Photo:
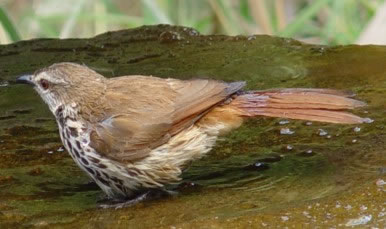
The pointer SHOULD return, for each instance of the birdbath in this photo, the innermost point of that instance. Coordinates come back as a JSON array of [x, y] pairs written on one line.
[[270, 172]]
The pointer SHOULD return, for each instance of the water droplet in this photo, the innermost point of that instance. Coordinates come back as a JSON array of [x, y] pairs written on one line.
[[258, 166], [3, 83], [357, 129], [363, 208], [308, 153], [193, 32], [322, 132], [286, 131], [252, 37], [367, 120], [283, 122], [380, 182], [284, 218]]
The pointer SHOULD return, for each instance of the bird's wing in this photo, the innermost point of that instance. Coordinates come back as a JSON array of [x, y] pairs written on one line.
[[142, 113]]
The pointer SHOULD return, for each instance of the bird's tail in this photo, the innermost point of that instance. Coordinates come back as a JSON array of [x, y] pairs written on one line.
[[323, 105]]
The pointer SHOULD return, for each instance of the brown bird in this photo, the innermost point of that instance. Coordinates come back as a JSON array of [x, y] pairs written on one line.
[[135, 133]]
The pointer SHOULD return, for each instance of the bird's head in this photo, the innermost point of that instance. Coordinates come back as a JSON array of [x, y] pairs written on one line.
[[65, 84]]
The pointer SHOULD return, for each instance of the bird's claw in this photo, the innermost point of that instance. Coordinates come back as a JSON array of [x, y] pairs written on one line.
[[152, 194], [127, 203]]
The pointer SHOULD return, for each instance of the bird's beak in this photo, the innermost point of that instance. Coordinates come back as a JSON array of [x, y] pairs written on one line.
[[25, 79]]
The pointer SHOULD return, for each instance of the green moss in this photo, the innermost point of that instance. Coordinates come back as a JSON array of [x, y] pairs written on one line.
[[38, 188]]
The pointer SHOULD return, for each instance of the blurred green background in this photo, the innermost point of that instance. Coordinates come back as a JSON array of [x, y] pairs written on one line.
[[313, 21]]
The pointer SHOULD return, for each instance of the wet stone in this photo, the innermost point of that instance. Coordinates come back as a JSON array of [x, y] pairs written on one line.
[[228, 191]]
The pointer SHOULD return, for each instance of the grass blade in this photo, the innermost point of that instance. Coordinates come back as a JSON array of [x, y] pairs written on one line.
[[154, 11], [71, 21], [303, 16], [8, 26]]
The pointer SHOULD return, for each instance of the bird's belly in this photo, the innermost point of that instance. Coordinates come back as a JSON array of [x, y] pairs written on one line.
[[163, 165]]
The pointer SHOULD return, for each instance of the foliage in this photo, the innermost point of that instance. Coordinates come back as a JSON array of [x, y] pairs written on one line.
[[318, 21]]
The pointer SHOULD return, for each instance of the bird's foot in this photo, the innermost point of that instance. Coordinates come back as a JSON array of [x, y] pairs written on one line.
[[152, 194], [116, 204]]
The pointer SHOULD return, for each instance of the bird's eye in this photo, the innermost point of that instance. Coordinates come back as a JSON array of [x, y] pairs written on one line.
[[44, 83]]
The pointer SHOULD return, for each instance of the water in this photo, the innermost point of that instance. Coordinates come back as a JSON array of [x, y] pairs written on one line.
[[322, 174]]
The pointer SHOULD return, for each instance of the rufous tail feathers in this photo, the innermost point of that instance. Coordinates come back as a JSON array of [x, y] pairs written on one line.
[[323, 105]]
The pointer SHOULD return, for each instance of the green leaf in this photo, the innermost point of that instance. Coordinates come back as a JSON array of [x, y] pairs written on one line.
[[304, 16], [9, 26], [154, 14]]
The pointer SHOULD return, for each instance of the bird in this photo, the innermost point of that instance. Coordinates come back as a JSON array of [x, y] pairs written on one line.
[[136, 133]]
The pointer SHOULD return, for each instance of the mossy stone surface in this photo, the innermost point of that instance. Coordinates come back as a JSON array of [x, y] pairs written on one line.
[[255, 177]]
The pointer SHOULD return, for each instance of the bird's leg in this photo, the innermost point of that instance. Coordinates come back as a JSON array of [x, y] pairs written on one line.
[[116, 204], [148, 195], [161, 193]]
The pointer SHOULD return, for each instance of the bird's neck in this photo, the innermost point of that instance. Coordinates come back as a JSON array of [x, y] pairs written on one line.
[[66, 112], [87, 104]]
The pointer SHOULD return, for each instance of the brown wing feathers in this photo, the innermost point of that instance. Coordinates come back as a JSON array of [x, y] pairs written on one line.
[[197, 97], [144, 112]]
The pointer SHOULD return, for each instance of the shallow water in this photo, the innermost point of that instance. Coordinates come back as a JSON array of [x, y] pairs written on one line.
[[312, 175]]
